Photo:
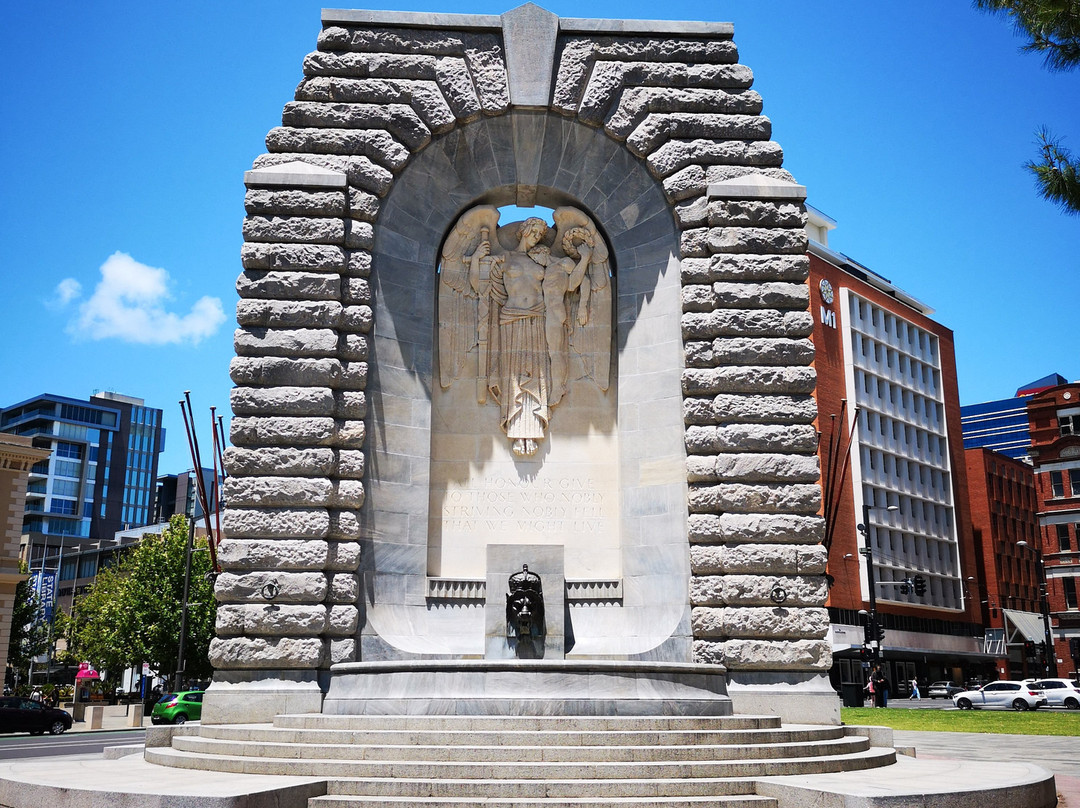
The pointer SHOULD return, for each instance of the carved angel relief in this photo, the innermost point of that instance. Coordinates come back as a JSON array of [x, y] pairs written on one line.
[[514, 310]]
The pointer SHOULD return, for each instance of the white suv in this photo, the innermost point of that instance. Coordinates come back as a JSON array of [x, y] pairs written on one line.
[[1059, 692], [1017, 695]]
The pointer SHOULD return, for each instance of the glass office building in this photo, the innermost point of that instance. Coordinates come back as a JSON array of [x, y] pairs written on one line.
[[101, 476]]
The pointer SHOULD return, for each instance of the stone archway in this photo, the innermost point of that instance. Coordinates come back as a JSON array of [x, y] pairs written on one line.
[[400, 122]]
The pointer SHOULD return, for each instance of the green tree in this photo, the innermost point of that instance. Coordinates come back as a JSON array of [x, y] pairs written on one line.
[[132, 612], [29, 631], [1052, 28]]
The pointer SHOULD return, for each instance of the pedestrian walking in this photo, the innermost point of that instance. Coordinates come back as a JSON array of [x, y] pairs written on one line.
[[914, 690]]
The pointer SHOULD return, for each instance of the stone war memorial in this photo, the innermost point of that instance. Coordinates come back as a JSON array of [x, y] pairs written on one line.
[[523, 503]]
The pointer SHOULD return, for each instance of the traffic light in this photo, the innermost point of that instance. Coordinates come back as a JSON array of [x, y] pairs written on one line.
[[918, 583], [1040, 650], [905, 586], [867, 633], [1029, 650], [880, 632], [1074, 647]]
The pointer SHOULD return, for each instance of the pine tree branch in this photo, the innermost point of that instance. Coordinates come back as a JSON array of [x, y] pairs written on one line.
[[1057, 174]]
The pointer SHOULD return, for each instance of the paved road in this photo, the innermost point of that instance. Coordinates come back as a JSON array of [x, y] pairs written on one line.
[[72, 743]]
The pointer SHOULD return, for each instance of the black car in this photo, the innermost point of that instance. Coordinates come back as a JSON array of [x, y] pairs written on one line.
[[27, 715]]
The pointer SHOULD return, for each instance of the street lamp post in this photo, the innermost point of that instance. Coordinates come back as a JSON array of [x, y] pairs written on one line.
[[1049, 656], [868, 553]]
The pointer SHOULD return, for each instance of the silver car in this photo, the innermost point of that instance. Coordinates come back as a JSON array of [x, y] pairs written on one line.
[[1004, 694], [1059, 692], [943, 690]]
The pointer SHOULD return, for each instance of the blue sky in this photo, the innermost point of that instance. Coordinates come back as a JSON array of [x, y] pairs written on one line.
[[128, 127]]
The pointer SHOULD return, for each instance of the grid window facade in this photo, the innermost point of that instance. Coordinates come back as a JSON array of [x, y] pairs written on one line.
[[902, 453]]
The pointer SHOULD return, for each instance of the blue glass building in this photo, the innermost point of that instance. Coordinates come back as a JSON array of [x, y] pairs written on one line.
[[1003, 425], [100, 479]]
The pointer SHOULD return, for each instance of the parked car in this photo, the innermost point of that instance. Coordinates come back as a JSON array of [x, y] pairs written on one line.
[[943, 690], [29, 715], [178, 708], [1059, 692], [1004, 693]]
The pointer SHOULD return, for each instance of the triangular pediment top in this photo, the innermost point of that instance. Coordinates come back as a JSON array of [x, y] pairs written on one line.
[[756, 186], [296, 174]]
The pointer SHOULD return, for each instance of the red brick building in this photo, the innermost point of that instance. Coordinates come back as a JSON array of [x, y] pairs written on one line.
[[1004, 511], [1054, 419], [889, 420]]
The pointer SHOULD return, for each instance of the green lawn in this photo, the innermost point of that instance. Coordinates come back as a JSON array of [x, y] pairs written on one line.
[[1041, 722]]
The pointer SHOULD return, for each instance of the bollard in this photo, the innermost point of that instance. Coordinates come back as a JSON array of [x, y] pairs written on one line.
[[93, 716], [135, 715]]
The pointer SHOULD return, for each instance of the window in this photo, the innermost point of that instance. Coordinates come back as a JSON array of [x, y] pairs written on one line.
[[1063, 537], [72, 450], [1074, 481], [87, 566], [1069, 585], [1069, 424], [64, 506], [1057, 484]]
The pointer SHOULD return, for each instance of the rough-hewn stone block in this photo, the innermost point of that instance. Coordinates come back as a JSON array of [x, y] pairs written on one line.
[[265, 202], [289, 285], [294, 342], [250, 619], [289, 313], [284, 523], [762, 498], [240, 653], [274, 586], [294, 229], [285, 372], [276, 401], [284, 461], [728, 408], [754, 468], [715, 528], [752, 437], [277, 492], [273, 554], [747, 322]]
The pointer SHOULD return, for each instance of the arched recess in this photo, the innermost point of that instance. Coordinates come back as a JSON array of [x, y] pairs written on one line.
[[526, 157]]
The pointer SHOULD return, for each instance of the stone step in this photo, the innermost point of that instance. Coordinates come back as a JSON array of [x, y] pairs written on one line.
[[789, 733], [506, 753], [747, 801], [322, 767], [539, 789], [524, 723]]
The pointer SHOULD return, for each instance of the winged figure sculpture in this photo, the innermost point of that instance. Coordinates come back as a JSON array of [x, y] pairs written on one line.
[[517, 303]]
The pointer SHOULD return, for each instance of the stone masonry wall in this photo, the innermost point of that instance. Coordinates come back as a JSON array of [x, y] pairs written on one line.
[[379, 88]]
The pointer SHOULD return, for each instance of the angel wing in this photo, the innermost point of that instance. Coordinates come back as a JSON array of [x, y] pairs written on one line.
[[463, 315], [590, 319]]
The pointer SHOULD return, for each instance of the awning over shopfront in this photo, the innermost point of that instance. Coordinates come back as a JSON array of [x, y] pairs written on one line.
[[1020, 626]]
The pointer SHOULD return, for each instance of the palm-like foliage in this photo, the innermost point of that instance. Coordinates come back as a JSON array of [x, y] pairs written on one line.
[[1052, 28]]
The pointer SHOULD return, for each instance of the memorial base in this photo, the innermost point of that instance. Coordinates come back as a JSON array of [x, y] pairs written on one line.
[[798, 698], [247, 697], [527, 687]]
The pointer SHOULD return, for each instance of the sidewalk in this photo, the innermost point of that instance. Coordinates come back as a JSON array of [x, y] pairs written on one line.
[[114, 717], [1059, 754]]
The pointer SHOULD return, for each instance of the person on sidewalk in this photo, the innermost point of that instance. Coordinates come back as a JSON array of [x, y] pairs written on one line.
[[914, 690], [881, 688], [869, 688]]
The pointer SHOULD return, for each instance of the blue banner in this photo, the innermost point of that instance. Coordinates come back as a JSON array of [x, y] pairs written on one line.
[[45, 589]]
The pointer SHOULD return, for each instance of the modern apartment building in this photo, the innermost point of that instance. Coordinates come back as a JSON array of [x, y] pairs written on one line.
[[1054, 420], [101, 475], [892, 460]]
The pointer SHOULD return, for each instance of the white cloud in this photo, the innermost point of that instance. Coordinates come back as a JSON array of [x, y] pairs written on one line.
[[67, 290], [128, 304]]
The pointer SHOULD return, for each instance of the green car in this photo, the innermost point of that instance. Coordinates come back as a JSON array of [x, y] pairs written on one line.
[[178, 708]]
